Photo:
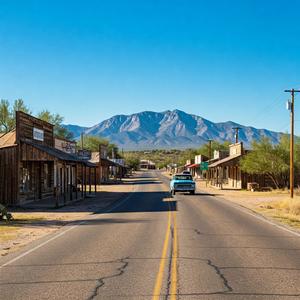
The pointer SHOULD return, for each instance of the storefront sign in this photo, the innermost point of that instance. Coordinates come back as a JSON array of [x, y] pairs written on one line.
[[84, 154], [38, 134], [204, 166]]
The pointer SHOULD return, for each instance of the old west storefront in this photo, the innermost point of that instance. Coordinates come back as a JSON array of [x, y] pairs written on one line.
[[33, 169], [226, 173]]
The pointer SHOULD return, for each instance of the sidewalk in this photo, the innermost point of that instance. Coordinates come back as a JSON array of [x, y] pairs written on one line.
[[33, 222]]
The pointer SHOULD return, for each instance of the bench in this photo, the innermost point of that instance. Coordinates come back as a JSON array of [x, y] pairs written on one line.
[[4, 214]]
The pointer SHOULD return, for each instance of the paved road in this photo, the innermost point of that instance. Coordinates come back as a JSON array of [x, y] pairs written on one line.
[[151, 246]]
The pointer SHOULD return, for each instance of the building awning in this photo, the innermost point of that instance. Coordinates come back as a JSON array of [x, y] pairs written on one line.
[[193, 166], [58, 154], [105, 162], [225, 161]]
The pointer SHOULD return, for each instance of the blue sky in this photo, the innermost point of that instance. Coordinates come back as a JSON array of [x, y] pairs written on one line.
[[89, 60]]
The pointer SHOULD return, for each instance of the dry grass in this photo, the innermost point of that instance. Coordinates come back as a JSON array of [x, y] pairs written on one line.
[[7, 232], [291, 206], [286, 210]]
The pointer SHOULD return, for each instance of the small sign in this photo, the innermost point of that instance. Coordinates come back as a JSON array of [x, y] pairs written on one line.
[[84, 154], [204, 166], [38, 134]]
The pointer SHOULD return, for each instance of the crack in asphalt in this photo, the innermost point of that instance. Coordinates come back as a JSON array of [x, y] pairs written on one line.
[[217, 270], [101, 280], [221, 276]]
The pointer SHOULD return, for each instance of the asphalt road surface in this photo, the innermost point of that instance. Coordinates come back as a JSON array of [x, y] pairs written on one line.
[[152, 246]]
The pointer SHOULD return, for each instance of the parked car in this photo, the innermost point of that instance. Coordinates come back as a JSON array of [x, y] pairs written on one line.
[[182, 183]]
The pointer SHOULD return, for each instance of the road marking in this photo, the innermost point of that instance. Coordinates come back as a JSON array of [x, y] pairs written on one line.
[[174, 260], [160, 275], [64, 232], [39, 246]]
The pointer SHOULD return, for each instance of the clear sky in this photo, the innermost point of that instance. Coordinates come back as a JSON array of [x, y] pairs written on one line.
[[89, 60]]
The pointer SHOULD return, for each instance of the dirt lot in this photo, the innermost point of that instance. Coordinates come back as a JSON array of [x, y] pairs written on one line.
[[29, 225]]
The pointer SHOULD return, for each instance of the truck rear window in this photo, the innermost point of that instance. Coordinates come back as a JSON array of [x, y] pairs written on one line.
[[183, 177]]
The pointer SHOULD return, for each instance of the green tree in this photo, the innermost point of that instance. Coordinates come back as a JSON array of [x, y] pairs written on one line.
[[8, 113], [204, 149], [132, 162], [6, 123], [19, 105], [57, 120], [92, 142], [271, 160]]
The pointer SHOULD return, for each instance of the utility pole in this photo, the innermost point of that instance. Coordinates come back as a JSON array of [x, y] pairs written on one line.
[[81, 140], [291, 108], [210, 148], [236, 133]]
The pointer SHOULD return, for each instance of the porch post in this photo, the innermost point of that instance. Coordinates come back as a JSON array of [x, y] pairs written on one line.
[[82, 181], [90, 184], [95, 177], [65, 183], [76, 187], [71, 183]]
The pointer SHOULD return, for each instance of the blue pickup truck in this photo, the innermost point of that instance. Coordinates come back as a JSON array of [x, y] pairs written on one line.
[[182, 183]]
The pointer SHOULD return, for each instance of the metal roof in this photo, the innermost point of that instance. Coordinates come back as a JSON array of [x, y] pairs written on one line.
[[61, 155], [8, 139], [225, 160]]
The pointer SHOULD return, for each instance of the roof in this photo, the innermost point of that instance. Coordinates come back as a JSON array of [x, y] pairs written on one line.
[[104, 161], [61, 155], [225, 160], [193, 166], [8, 139]]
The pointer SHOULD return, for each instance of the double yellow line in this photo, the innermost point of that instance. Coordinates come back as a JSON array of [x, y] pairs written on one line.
[[164, 259]]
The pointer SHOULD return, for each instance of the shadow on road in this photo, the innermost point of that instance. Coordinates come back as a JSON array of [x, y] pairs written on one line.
[[147, 202]]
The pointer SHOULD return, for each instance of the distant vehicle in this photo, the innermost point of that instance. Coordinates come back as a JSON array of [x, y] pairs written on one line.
[[186, 172], [182, 183]]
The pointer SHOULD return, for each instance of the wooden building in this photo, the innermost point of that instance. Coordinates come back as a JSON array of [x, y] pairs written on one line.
[[32, 169], [226, 173], [147, 165], [106, 168], [195, 167]]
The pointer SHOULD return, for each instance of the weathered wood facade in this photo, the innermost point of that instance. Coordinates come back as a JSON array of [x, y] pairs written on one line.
[[32, 168], [227, 174], [106, 168]]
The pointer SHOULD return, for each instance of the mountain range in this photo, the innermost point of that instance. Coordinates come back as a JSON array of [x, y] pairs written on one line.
[[168, 130]]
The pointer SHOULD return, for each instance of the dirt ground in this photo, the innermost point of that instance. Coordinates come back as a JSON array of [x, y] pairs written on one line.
[[29, 225]]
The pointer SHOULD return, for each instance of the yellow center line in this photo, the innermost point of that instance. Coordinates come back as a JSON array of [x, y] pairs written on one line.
[[160, 275], [173, 278], [174, 260]]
